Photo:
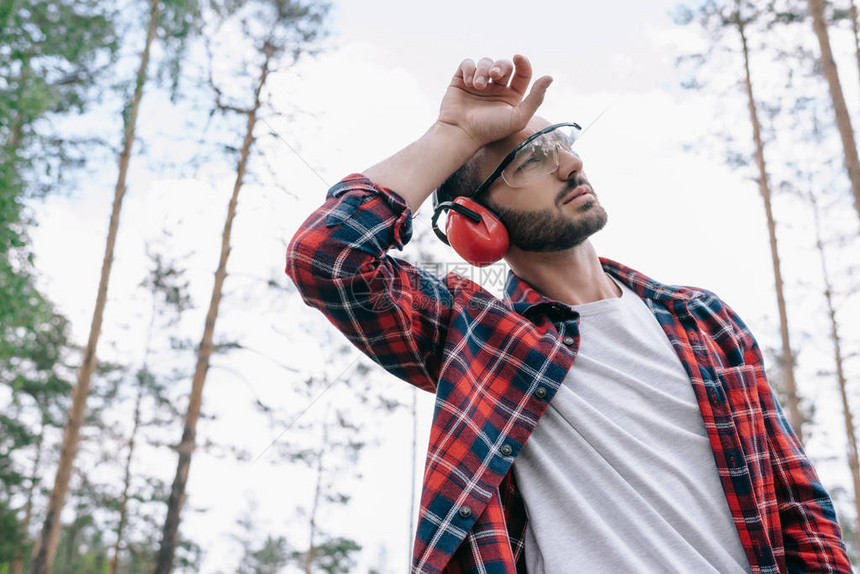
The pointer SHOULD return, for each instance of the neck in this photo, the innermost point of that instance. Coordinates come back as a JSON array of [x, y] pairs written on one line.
[[573, 276]]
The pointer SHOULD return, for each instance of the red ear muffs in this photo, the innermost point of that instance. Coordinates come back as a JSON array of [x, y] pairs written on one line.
[[473, 231]]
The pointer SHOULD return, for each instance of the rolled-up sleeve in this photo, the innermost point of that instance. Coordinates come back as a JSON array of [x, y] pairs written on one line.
[[392, 311]]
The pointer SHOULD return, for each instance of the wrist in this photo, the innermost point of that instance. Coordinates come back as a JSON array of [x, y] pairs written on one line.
[[456, 139], [419, 168]]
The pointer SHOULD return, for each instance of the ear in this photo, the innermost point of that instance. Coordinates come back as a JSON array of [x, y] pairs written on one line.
[[481, 240]]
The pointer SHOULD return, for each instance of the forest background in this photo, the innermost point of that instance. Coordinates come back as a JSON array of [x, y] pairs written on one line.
[[167, 402]]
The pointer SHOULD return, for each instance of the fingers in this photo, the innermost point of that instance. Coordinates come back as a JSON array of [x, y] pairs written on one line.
[[522, 74], [466, 72], [485, 72], [532, 102], [501, 71], [482, 73], [490, 99]]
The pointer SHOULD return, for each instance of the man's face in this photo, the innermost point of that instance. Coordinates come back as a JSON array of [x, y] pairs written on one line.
[[557, 211]]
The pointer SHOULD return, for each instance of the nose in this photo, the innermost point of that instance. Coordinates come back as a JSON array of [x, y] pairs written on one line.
[[569, 164]]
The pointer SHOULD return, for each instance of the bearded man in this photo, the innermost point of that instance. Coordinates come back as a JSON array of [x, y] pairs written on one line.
[[592, 420]]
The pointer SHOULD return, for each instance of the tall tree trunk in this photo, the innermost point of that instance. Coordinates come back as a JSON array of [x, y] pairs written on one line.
[[204, 352], [843, 120], [848, 417], [18, 563], [789, 385], [311, 553], [46, 548], [123, 503], [855, 28], [73, 531]]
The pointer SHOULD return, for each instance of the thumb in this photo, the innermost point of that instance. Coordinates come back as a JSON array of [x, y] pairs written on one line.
[[527, 108]]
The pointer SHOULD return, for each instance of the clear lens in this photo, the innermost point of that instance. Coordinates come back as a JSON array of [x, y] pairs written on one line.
[[539, 157]]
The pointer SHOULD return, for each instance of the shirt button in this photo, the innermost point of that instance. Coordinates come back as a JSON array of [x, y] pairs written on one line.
[[733, 462], [540, 393], [568, 340], [465, 512], [507, 450]]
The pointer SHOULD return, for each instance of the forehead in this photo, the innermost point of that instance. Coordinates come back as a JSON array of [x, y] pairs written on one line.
[[492, 154]]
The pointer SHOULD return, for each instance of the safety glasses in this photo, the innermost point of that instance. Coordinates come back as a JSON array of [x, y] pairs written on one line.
[[536, 156]]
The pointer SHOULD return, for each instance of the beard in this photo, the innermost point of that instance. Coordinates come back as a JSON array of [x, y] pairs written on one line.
[[546, 230]]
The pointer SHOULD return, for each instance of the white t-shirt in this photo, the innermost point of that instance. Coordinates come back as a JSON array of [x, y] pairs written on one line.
[[619, 475]]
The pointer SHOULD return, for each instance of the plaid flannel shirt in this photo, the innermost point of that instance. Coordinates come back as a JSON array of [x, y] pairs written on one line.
[[495, 365]]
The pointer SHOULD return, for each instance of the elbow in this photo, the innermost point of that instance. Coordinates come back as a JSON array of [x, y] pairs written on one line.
[[302, 249], [293, 256], [314, 256], [302, 258]]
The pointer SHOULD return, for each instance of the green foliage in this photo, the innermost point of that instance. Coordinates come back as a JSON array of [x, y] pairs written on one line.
[[168, 286], [82, 547], [31, 367], [50, 54], [180, 21], [49, 58], [189, 555], [270, 558], [9, 533], [279, 32], [334, 556], [138, 410]]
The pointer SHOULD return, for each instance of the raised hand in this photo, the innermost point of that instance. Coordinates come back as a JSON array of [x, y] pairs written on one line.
[[488, 101], [485, 101]]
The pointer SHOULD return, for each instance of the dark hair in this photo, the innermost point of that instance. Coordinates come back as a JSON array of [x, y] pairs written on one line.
[[464, 181]]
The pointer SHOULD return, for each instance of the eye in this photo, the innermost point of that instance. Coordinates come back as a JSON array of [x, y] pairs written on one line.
[[533, 159], [529, 162]]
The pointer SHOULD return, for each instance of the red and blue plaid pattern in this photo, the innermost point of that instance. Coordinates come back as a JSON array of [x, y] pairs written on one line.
[[495, 365]]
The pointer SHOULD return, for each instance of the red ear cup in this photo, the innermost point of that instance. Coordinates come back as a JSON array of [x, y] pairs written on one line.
[[480, 243]]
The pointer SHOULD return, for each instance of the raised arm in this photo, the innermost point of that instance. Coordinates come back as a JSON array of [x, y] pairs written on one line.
[[392, 311], [485, 101]]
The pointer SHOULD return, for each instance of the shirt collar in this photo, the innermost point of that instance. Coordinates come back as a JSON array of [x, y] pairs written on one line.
[[526, 300]]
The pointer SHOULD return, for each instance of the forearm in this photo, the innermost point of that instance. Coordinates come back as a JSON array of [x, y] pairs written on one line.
[[415, 171], [338, 259]]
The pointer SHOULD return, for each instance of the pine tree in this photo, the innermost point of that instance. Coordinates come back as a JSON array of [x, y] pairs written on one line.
[[737, 16], [280, 31], [840, 109], [46, 548], [168, 291], [169, 16], [52, 53]]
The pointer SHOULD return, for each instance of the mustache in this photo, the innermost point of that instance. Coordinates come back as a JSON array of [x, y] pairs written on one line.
[[569, 186]]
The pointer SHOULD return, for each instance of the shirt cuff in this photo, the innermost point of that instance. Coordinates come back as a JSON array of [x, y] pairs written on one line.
[[361, 190]]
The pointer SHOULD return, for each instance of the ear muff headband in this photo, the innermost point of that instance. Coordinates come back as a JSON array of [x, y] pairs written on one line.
[[474, 216], [474, 231]]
